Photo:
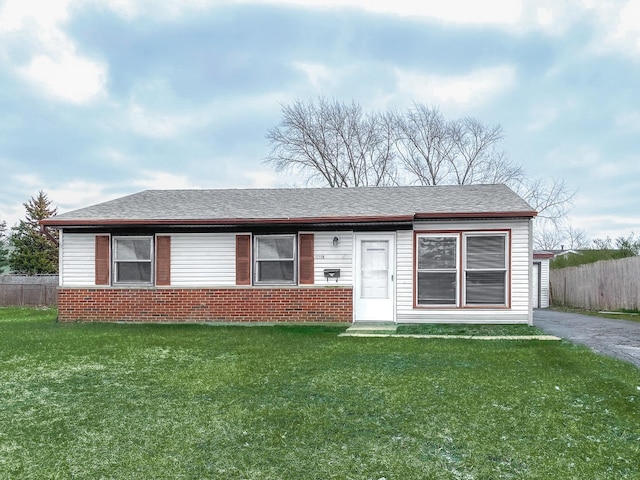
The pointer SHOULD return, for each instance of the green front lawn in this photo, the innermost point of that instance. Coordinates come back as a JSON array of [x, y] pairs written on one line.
[[466, 330], [299, 402]]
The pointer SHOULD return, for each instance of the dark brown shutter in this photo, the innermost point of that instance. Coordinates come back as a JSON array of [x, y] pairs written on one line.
[[306, 259], [243, 259], [163, 260], [102, 259]]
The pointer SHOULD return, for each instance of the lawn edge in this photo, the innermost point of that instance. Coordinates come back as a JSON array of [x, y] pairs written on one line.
[[464, 337]]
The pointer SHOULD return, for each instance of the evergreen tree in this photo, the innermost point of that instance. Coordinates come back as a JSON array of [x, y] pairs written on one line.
[[4, 252], [35, 248]]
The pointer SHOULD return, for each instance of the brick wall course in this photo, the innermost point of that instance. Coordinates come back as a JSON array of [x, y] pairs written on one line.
[[277, 304]]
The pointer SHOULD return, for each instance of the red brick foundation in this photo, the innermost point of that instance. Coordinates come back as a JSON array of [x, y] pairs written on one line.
[[299, 304]]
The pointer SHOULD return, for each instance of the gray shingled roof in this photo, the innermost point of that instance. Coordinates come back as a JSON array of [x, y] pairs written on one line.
[[217, 206]]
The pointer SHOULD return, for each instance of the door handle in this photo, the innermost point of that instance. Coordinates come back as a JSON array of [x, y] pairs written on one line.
[[392, 277]]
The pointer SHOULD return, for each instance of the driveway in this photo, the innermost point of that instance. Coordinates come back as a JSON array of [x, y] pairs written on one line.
[[616, 338]]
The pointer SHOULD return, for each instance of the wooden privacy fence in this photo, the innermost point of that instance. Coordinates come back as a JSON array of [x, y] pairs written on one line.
[[19, 290], [606, 285]]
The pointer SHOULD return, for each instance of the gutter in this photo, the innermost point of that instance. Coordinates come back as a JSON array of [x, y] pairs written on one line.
[[319, 221]]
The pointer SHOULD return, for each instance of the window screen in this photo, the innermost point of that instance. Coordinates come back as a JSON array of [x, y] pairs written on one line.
[[437, 270], [275, 259], [132, 260], [479, 278], [486, 272]]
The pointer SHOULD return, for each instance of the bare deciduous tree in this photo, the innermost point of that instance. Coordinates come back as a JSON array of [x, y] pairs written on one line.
[[423, 141], [473, 148], [334, 142], [576, 238], [340, 146], [436, 151], [568, 238], [552, 199]]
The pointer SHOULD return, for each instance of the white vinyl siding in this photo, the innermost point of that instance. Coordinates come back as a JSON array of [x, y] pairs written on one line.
[[203, 259], [328, 256], [208, 259], [78, 259], [519, 274]]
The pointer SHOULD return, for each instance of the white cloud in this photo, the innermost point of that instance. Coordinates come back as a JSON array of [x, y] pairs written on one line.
[[17, 15], [65, 196], [474, 88], [163, 181], [453, 92], [69, 77], [165, 10], [78, 194], [55, 68], [498, 12], [29, 180], [12, 213], [584, 157], [606, 225], [609, 170], [542, 117], [318, 75], [160, 125], [592, 163], [626, 35], [628, 121], [614, 22], [261, 179]]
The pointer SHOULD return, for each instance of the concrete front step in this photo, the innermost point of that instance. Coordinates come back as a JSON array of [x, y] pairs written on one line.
[[372, 327]]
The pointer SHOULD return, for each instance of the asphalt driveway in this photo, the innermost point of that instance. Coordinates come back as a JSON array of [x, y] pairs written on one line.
[[616, 338]]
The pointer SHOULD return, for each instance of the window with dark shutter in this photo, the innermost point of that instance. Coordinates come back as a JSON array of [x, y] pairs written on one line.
[[306, 259], [274, 259], [243, 259], [163, 260], [102, 260], [133, 260]]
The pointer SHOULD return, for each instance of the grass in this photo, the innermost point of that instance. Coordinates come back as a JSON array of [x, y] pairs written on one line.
[[622, 314], [466, 330], [292, 402]]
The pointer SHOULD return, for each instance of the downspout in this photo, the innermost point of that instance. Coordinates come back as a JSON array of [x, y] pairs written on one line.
[[46, 233]]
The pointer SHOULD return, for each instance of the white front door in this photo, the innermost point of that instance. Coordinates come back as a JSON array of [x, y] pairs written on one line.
[[374, 293]]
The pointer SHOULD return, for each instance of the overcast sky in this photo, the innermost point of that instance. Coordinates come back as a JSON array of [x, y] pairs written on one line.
[[99, 99]]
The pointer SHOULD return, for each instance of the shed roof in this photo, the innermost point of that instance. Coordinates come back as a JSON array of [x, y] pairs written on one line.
[[300, 205]]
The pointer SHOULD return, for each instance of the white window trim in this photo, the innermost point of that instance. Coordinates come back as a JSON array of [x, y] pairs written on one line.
[[115, 261], [456, 236], [256, 260], [461, 270], [504, 269]]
